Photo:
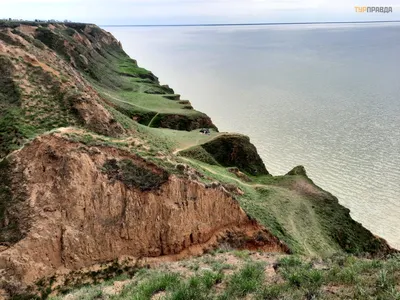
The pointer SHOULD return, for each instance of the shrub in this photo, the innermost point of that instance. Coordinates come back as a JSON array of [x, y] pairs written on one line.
[[39, 44], [133, 175]]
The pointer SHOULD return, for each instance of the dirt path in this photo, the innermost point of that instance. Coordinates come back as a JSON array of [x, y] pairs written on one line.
[[176, 151], [66, 130], [197, 142], [151, 121]]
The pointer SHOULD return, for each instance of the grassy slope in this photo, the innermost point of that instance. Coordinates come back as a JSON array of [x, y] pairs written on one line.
[[24, 115], [136, 92], [312, 224], [27, 111], [249, 275]]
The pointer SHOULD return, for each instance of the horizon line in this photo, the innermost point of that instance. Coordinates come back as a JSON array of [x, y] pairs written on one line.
[[247, 24]]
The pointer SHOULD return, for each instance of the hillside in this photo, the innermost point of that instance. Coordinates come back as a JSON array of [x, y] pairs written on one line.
[[103, 172]]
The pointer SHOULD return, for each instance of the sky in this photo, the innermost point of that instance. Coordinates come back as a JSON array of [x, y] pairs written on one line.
[[146, 12]]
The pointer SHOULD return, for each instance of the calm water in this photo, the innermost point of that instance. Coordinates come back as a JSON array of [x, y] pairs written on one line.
[[324, 96]]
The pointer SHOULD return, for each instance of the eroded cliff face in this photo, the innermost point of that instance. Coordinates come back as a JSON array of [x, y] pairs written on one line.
[[41, 91], [68, 212]]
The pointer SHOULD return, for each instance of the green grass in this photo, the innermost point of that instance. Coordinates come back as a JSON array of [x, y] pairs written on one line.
[[153, 103], [156, 282], [138, 96], [248, 280], [198, 153], [150, 283], [151, 109], [196, 287], [184, 139], [130, 93], [295, 278], [129, 66], [23, 117]]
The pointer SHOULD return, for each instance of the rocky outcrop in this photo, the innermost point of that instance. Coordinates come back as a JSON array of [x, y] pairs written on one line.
[[234, 150], [67, 206], [299, 170], [183, 122]]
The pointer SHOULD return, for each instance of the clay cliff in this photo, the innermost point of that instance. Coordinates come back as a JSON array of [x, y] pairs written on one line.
[[72, 206], [99, 162]]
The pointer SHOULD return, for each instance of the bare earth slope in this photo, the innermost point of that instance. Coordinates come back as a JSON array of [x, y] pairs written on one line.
[[76, 213], [99, 162]]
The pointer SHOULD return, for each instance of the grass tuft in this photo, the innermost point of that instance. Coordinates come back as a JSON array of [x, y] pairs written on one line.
[[246, 281]]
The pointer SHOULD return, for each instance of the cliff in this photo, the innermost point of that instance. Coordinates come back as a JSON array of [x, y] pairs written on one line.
[[100, 162]]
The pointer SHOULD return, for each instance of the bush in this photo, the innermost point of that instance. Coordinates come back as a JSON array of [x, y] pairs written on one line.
[[39, 44], [134, 175]]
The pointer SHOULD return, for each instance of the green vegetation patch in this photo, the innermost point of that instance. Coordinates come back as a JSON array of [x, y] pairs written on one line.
[[52, 40], [350, 235], [12, 128], [258, 276], [129, 67], [157, 282], [10, 94], [45, 107], [96, 63], [5, 188], [348, 276], [26, 37], [155, 111], [134, 175], [312, 224], [248, 280], [10, 217]]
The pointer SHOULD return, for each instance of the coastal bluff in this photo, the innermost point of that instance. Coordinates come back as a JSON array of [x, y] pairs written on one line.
[[102, 167]]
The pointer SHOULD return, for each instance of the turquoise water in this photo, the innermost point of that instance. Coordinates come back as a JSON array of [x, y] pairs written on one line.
[[324, 96]]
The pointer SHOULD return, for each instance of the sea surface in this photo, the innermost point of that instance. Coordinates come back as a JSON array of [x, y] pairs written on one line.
[[323, 96]]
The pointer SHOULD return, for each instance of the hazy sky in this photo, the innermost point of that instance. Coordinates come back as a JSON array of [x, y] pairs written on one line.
[[105, 12]]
